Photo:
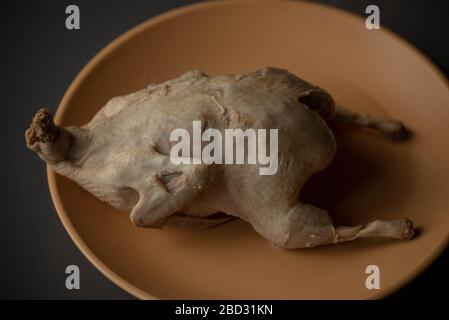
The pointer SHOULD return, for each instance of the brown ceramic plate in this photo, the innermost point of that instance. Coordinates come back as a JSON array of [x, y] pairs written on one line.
[[366, 70]]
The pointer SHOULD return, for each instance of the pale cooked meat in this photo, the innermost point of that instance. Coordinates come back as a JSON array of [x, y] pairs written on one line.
[[122, 155]]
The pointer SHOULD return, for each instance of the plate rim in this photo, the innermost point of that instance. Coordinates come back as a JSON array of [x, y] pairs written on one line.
[[153, 21]]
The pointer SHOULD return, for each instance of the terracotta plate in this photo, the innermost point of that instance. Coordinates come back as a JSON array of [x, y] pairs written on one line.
[[366, 70]]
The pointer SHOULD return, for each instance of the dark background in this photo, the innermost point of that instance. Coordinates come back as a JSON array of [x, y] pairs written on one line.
[[40, 58]]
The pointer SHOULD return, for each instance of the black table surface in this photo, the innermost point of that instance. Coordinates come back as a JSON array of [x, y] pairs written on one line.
[[40, 58]]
